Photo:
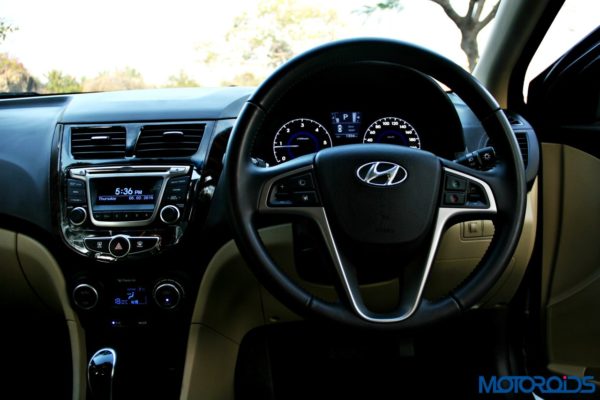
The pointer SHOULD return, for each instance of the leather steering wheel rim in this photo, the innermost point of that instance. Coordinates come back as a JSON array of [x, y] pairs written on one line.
[[245, 182]]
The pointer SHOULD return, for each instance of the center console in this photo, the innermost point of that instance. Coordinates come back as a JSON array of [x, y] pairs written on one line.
[[130, 224]]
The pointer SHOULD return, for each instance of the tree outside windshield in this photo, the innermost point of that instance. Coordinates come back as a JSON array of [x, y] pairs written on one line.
[[65, 46]]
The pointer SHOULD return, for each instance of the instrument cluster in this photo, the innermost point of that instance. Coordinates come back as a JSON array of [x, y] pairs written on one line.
[[362, 103], [301, 136]]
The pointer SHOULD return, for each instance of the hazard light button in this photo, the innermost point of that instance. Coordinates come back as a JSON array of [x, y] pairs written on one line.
[[119, 246]]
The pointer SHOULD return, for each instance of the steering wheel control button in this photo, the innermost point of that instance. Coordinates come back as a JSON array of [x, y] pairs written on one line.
[[296, 190], [167, 294], [454, 199], [455, 184], [472, 229], [85, 296], [169, 214], [481, 159], [119, 246], [97, 244], [302, 182], [476, 195], [305, 199], [141, 244], [464, 192], [77, 216]]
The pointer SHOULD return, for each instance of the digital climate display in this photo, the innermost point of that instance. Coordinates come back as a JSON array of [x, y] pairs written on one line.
[[130, 296], [125, 191]]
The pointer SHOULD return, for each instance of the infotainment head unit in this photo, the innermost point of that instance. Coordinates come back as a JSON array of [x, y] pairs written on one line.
[[128, 196], [112, 212], [131, 193]]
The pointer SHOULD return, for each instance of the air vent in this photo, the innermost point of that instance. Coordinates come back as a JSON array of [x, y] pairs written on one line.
[[98, 142], [180, 140], [523, 146]]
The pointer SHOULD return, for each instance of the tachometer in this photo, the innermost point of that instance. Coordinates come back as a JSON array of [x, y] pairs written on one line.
[[299, 137], [392, 130]]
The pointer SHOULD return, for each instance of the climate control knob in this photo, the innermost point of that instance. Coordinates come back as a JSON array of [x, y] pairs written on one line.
[[85, 296], [167, 294], [169, 214], [77, 215]]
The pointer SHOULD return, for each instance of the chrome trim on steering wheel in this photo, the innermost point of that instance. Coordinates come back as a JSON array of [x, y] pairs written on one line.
[[319, 216]]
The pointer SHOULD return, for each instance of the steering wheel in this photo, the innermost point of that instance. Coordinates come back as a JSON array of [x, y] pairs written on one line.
[[401, 198]]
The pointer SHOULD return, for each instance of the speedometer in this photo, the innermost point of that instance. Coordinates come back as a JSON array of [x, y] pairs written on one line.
[[299, 137], [392, 130]]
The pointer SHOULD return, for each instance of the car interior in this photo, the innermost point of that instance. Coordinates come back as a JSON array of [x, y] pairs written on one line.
[[372, 221]]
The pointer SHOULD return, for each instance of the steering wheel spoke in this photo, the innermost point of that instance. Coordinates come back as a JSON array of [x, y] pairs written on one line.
[[463, 196]]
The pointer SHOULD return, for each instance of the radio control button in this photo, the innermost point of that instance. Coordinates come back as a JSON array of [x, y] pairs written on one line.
[[182, 182], [76, 192], [77, 216], [75, 183], [180, 190], [103, 216], [169, 214], [140, 244], [174, 198], [97, 244], [119, 246]]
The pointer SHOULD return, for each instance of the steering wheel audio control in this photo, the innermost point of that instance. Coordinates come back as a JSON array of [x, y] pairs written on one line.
[[296, 190], [463, 192]]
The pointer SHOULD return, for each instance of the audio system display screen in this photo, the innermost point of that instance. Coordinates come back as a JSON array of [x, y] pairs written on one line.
[[125, 191]]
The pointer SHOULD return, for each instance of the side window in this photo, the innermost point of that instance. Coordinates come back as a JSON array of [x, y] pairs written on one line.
[[576, 19]]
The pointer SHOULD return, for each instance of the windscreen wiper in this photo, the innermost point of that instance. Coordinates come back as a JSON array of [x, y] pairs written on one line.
[[14, 95]]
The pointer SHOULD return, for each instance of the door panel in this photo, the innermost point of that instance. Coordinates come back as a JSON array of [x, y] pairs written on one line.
[[571, 258], [564, 107]]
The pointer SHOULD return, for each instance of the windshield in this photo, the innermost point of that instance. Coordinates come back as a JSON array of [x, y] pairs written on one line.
[[64, 46]]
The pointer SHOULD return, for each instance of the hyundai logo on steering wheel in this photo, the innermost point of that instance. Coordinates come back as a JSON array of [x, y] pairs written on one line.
[[381, 173]]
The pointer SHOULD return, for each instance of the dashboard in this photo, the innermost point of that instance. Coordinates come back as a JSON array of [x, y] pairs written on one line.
[[123, 189]]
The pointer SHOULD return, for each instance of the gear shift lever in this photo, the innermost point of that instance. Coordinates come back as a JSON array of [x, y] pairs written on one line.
[[101, 369]]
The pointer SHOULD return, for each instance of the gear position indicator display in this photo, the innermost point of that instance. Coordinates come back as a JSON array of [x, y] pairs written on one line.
[[346, 124]]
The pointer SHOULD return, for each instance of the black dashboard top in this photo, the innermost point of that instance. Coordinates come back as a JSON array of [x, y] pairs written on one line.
[[156, 105], [31, 128]]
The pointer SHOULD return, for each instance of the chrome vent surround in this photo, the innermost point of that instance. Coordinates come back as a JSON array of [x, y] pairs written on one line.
[[169, 140], [98, 142]]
